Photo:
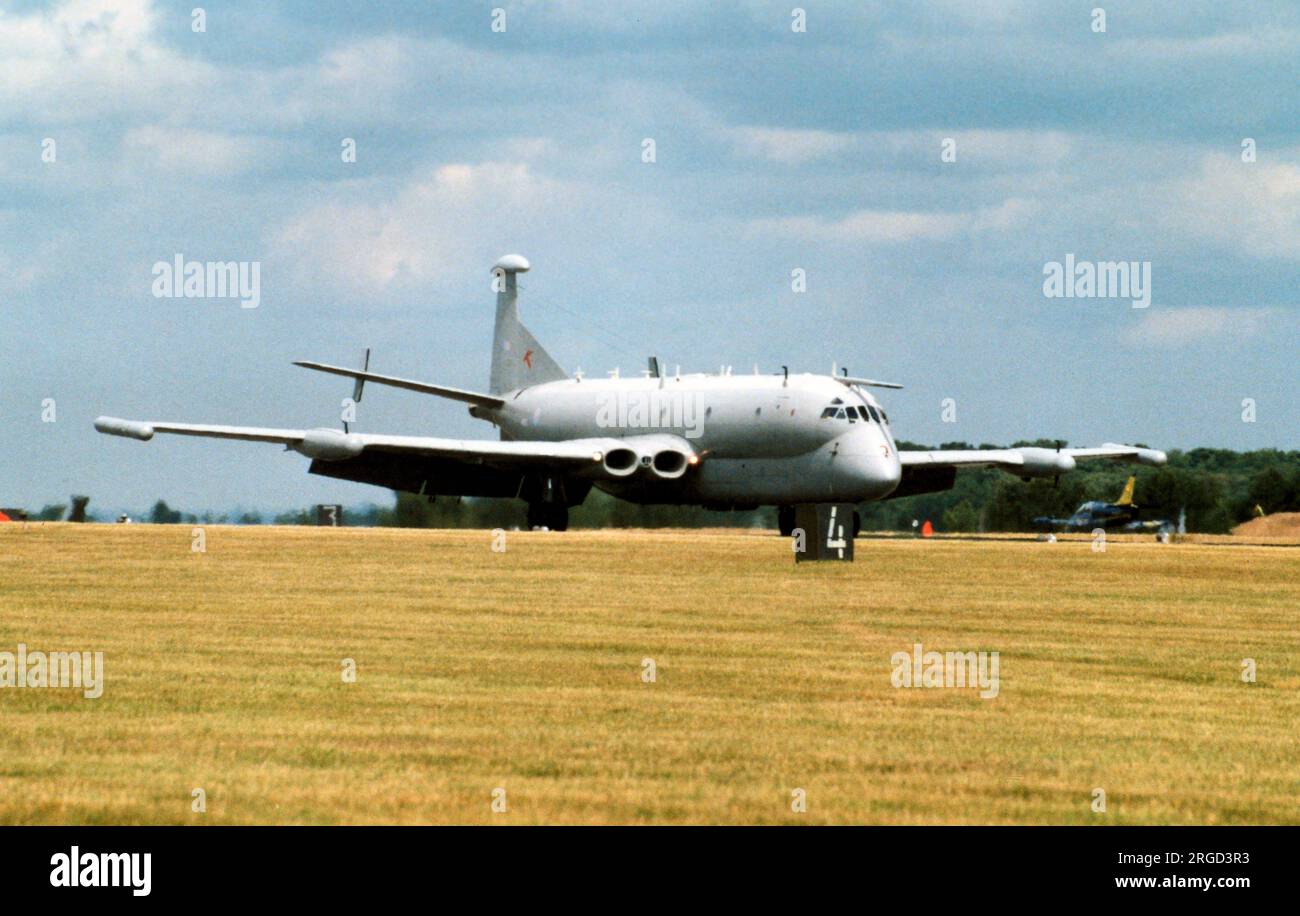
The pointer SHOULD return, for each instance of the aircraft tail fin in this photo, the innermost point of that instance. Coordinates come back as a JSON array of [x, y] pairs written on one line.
[[518, 360], [1126, 498]]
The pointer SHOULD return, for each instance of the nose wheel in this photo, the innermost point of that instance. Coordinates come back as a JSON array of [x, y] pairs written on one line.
[[554, 516]]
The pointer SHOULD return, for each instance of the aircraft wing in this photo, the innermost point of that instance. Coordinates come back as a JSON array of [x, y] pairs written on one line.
[[336, 445], [1030, 461], [972, 458]]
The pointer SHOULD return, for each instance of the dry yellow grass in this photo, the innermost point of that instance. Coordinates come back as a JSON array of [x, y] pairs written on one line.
[[1279, 524], [522, 670]]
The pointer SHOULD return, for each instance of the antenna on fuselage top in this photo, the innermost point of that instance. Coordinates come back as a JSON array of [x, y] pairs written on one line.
[[785, 379]]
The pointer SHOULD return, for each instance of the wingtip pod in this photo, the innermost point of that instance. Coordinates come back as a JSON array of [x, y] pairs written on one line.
[[1149, 456], [130, 429]]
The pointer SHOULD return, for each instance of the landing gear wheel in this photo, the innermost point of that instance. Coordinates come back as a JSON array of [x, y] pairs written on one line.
[[785, 520], [552, 516]]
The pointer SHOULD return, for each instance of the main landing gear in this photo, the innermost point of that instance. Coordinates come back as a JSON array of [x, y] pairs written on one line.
[[554, 516]]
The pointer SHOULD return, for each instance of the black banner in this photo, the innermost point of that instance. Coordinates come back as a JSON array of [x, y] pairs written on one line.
[[330, 865]]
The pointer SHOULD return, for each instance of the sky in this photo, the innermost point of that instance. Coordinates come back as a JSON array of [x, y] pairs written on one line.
[[128, 136]]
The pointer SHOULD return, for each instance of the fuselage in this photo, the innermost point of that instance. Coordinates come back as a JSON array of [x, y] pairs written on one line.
[[754, 439]]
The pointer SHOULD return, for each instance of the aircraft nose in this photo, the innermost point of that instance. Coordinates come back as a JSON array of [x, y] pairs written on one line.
[[877, 475], [872, 466]]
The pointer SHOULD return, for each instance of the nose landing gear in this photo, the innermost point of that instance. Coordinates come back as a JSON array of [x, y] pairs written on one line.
[[554, 516], [785, 520], [549, 499]]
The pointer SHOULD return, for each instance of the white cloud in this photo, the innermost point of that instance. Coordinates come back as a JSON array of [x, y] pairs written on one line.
[[1181, 327], [197, 151], [84, 58], [1238, 44], [864, 226], [1253, 207], [1026, 149], [427, 231], [788, 146], [896, 225]]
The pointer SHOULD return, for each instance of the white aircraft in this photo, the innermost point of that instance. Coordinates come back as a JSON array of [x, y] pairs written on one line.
[[720, 441]]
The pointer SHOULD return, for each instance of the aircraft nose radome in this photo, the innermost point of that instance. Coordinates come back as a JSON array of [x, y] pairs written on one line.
[[873, 476]]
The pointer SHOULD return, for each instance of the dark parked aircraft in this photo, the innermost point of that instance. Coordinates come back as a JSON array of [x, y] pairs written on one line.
[[1120, 515]]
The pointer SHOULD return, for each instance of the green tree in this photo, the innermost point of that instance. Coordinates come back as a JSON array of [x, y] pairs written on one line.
[[961, 517], [1272, 490], [162, 514]]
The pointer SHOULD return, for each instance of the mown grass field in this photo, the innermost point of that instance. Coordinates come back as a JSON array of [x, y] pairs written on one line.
[[523, 670]]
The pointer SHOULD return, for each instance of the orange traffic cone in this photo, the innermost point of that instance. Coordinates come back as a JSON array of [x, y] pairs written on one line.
[[927, 529]]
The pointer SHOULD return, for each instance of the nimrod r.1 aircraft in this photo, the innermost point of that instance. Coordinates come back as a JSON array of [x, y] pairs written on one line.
[[720, 441]]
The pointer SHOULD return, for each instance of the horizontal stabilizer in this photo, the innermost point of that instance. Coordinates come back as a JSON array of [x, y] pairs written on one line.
[[442, 391], [867, 382]]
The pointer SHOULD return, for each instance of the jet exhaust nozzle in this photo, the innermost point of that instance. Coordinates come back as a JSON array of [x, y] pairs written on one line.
[[670, 463], [620, 461]]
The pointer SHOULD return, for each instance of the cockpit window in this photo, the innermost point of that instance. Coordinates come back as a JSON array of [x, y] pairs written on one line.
[[884, 416], [851, 413]]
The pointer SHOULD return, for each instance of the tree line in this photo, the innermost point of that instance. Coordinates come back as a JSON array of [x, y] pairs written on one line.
[[1215, 489]]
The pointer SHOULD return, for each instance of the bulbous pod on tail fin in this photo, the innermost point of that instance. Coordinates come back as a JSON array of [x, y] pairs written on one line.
[[518, 360]]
